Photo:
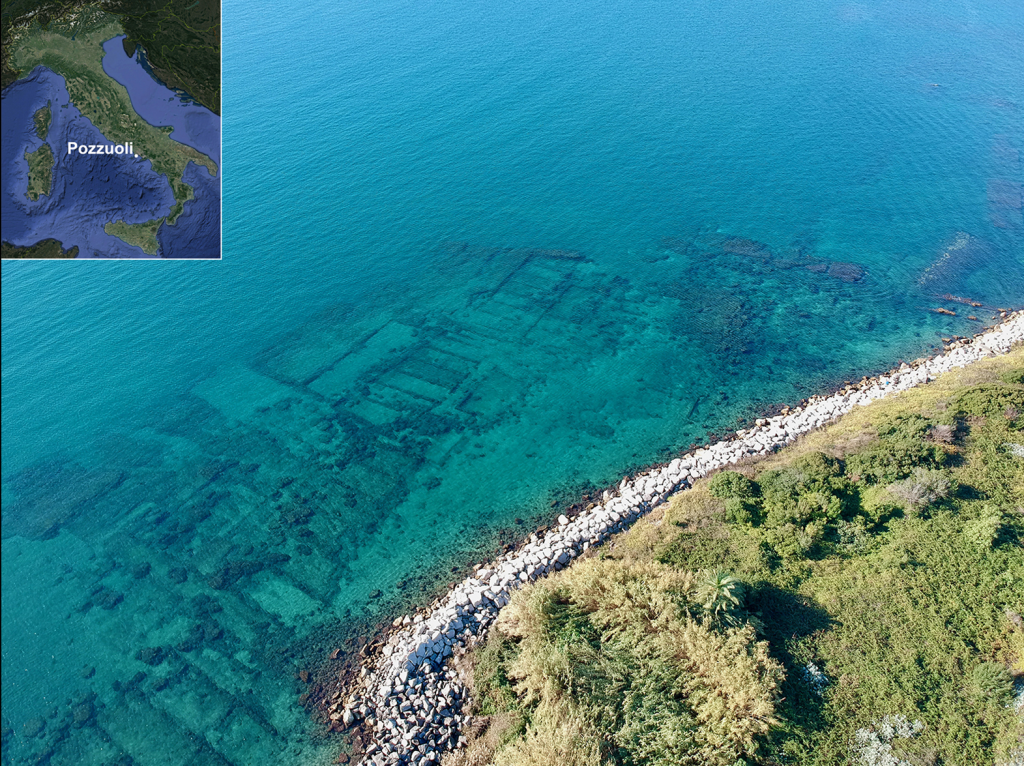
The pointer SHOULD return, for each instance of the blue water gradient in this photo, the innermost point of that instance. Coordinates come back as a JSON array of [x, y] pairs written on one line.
[[477, 260]]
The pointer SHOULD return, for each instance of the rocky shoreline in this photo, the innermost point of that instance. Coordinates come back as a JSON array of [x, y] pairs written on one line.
[[409, 701]]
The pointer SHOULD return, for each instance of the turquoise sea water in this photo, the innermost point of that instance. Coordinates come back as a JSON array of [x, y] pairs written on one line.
[[476, 260]]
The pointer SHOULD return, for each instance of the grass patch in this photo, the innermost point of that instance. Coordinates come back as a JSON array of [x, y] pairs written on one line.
[[40, 172], [141, 235]]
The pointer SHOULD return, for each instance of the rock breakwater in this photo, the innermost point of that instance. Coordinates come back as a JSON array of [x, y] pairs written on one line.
[[410, 701]]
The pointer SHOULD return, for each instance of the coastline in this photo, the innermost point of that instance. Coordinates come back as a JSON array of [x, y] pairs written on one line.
[[405, 697]]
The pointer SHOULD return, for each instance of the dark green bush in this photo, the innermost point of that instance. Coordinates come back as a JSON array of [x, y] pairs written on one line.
[[494, 691], [566, 622], [888, 461], [902, 427], [805, 508], [992, 683], [727, 484], [1013, 377], [780, 489], [902, 446], [792, 541], [818, 506], [989, 401], [817, 468], [984, 531], [739, 511], [853, 535]]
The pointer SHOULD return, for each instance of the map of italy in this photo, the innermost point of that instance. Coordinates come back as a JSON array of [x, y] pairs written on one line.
[[101, 159]]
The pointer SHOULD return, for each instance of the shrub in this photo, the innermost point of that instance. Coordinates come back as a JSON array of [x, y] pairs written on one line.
[[818, 506], [565, 622], [853, 535], [988, 401], [780, 489], [942, 433], [566, 741], [877, 505], [1013, 377], [902, 427], [794, 541], [817, 470], [730, 484], [889, 461], [983, 532], [718, 592], [922, 489], [739, 511], [901, 448], [992, 683], [658, 688], [491, 685]]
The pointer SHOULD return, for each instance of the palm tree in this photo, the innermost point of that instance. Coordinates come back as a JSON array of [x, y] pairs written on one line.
[[719, 593]]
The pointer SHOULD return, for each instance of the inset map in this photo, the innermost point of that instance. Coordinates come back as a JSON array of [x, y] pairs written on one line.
[[111, 142]]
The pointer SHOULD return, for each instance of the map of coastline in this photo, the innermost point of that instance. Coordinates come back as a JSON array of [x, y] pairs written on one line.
[[84, 85]]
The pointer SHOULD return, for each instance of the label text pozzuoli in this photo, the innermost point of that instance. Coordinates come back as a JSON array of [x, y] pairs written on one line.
[[125, 148]]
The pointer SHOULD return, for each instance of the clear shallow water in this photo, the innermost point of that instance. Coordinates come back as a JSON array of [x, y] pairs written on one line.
[[472, 262]]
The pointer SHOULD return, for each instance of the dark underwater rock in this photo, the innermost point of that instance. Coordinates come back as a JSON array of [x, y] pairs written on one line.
[[294, 514], [964, 255], [33, 727], [139, 571], [83, 713], [192, 640], [232, 572], [846, 272], [103, 597], [747, 247], [573, 255], [151, 655], [1004, 203], [211, 630], [50, 494], [177, 575], [675, 244]]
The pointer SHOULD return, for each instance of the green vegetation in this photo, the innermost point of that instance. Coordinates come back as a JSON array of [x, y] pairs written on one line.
[[861, 591], [47, 248], [41, 119], [627, 662], [142, 235], [73, 48], [40, 161], [40, 171], [180, 38]]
